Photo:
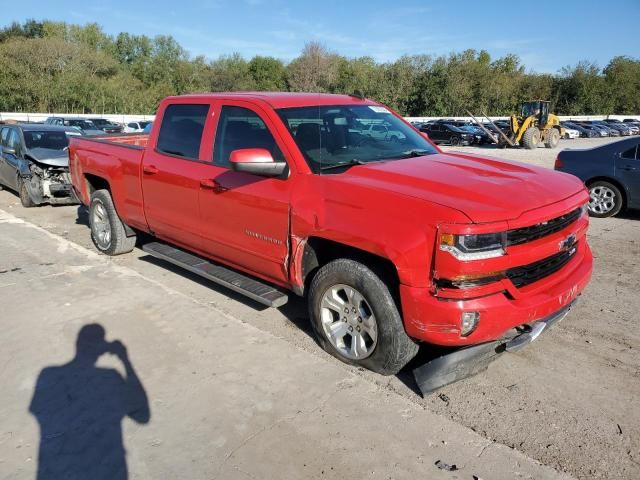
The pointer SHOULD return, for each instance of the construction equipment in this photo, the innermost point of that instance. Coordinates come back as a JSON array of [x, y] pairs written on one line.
[[533, 125]]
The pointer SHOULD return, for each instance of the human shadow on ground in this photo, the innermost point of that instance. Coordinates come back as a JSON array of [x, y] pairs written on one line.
[[80, 408]]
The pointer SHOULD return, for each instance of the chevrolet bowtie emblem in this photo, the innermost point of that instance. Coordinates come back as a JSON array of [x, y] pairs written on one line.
[[567, 243]]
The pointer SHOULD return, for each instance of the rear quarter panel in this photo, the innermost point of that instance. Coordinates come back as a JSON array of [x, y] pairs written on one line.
[[118, 164]]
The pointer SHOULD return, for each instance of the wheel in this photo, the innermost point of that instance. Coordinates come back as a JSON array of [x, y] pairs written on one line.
[[531, 138], [107, 230], [553, 138], [455, 141], [355, 318], [605, 199], [394, 139], [25, 198]]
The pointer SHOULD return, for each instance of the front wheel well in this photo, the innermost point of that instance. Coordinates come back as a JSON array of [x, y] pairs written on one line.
[[612, 181], [320, 251]]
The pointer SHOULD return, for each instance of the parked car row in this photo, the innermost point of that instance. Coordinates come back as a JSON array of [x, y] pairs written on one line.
[[465, 132], [97, 126]]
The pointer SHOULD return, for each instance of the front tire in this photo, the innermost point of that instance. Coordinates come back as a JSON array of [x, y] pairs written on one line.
[[553, 138], [455, 141], [355, 318], [605, 199], [107, 230], [25, 198]]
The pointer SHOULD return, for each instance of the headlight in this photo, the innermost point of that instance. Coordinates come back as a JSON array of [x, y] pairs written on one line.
[[474, 246]]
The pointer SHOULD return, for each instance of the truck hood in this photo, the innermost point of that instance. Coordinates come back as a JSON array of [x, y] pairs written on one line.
[[484, 189], [51, 157]]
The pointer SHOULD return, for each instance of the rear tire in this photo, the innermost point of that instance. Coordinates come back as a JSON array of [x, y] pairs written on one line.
[[25, 198], [531, 138], [346, 296], [553, 138], [605, 200], [107, 230]]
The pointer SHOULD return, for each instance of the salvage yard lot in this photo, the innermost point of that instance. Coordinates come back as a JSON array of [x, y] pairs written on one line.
[[569, 400]]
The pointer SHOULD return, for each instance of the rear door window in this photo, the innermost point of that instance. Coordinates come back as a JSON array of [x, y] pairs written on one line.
[[181, 130], [630, 153], [239, 128]]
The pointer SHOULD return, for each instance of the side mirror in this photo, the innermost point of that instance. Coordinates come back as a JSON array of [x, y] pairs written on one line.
[[257, 161], [9, 151]]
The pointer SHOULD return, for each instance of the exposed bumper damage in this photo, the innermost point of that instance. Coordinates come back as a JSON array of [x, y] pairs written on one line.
[[469, 361], [49, 184]]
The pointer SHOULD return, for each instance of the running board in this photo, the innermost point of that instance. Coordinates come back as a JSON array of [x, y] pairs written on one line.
[[254, 289]]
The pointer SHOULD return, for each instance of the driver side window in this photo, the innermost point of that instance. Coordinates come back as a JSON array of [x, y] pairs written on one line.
[[239, 128]]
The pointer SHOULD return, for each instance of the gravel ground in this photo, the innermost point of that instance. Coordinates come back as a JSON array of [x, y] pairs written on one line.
[[570, 400]]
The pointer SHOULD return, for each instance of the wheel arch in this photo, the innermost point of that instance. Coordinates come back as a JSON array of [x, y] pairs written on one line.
[[318, 251]]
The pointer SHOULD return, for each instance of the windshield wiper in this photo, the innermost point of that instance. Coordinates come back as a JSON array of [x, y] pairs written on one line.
[[350, 163], [414, 153]]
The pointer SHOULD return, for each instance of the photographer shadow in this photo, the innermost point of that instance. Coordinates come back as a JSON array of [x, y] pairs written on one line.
[[80, 408]]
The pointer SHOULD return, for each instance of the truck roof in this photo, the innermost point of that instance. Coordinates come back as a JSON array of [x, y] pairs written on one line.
[[283, 99]]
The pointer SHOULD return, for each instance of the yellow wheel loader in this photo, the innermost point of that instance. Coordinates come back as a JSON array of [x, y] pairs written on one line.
[[532, 126]]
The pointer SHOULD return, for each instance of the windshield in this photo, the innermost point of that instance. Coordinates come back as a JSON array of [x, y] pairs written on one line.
[[51, 140], [99, 121], [329, 136], [83, 124]]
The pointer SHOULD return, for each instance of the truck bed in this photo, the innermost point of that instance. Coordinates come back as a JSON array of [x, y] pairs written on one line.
[[116, 157]]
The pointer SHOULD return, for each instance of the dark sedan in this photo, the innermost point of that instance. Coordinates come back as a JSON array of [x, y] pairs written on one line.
[[34, 162], [446, 133], [611, 173]]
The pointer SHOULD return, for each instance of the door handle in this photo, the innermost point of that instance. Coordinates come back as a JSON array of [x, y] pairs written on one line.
[[150, 169], [629, 168], [212, 184]]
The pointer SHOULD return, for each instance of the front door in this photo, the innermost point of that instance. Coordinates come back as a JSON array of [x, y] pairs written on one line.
[[245, 217], [628, 171], [171, 174], [9, 161]]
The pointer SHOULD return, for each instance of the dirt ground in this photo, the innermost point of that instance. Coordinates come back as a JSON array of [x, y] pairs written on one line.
[[570, 400]]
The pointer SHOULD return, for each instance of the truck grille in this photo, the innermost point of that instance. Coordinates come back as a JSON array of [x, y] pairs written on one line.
[[528, 234], [528, 274]]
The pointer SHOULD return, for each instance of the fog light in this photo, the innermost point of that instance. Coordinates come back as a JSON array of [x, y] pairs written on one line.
[[468, 322]]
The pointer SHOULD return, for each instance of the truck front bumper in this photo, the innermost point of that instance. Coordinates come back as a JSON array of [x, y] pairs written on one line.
[[468, 361], [437, 321]]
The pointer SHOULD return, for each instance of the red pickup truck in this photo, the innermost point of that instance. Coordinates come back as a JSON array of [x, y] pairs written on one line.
[[393, 242]]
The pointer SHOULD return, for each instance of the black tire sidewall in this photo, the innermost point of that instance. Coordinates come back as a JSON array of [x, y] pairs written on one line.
[[394, 348], [95, 200], [23, 193], [619, 200]]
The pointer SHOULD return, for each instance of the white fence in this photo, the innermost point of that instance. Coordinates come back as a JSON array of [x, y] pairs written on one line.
[[41, 117]]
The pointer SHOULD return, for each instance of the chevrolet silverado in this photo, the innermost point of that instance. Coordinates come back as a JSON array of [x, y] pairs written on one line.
[[393, 243]]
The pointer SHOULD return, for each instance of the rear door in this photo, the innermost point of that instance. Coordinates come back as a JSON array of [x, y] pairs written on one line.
[[172, 169], [245, 217], [9, 161], [628, 171]]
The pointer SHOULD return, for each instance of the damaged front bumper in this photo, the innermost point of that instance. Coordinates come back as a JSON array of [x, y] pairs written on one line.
[[51, 186], [469, 361]]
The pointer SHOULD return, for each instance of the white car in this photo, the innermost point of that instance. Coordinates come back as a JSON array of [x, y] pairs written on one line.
[[570, 133], [135, 127], [383, 132]]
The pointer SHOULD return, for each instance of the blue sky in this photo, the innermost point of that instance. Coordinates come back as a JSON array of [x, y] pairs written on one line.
[[555, 34]]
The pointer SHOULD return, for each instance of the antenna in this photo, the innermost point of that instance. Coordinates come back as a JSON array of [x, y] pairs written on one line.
[[357, 94]]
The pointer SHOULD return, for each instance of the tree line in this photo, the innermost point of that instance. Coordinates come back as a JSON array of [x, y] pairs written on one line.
[[48, 66]]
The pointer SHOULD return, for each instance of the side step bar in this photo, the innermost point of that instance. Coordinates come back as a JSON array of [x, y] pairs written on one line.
[[256, 290]]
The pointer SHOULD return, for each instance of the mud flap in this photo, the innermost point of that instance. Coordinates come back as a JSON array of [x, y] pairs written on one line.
[[469, 361]]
